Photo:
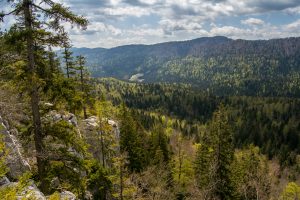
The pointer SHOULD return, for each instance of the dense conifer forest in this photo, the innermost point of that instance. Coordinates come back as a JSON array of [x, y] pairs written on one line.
[[218, 120]]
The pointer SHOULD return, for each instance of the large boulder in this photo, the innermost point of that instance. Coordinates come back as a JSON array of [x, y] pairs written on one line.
[[15, 160]]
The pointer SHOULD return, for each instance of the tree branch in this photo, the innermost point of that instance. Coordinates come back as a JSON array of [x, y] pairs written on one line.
[[2, 15], [58, 11]]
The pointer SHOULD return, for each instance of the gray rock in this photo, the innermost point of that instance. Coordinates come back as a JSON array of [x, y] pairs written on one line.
[[56, 117], [55, 183], [31, 192], [73, 120], [112, 123], [66, 195], [4, 181], [92, 122], [15, 160]]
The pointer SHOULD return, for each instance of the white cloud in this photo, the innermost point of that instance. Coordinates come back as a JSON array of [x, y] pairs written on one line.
[[253, 22], [127, 11], [229, 31], [294, 26], [293, 11], [180, 25], [140, 31], [112, 21]]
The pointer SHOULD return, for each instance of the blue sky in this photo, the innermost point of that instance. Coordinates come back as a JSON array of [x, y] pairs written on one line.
[[120, 22]]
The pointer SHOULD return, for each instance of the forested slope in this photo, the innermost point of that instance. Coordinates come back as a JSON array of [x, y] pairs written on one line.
[[219, 64], [271, 123]]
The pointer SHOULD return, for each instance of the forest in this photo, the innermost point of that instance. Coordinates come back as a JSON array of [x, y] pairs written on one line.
[[218, 64], [66, 134]]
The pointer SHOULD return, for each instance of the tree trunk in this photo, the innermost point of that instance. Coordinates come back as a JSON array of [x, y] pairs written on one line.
[[102, 148], [67, 62], [82, 88], [34, 95], [121, 180]]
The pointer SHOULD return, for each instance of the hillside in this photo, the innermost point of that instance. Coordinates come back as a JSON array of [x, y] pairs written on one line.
[[205, 119], [222, 65]]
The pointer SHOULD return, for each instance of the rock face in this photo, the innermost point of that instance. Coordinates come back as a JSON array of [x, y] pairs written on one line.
[[15, 160], [32, 191], [92, 124], [55, 116], [92, 130]]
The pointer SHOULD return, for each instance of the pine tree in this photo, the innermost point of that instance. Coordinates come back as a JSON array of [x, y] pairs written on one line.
[[84, 85], [131, 141], [159, 145], [224, 152], [204, 165], [27, 11], [67, 56], [214, 158]]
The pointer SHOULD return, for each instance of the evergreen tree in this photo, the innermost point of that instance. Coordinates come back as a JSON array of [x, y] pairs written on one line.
[[85, 87], [214, 158], [204, 165], [159, 146], [131, 141], [67, 56], [224, 152], [28, 13]]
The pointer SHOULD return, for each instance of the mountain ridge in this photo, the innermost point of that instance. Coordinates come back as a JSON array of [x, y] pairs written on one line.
[[219, 64]]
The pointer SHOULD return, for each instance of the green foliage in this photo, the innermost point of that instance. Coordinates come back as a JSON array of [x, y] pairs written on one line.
[[214, 158], [269, 123], [98, 181], [204, 168], [132, 141], [250, 174], [159, 148], [54, 196], [11, 192], [218, 64], [65, 156], [291, 192], [223, 147], [3, 154], [182, 162]]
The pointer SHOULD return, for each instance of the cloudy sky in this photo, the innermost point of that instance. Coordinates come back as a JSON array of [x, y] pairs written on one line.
[[120, 22]]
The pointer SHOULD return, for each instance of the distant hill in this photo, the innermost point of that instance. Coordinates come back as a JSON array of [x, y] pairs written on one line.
[[221, 65]]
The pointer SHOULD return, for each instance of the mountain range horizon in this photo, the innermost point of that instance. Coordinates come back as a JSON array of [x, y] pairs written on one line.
[[187, 40]]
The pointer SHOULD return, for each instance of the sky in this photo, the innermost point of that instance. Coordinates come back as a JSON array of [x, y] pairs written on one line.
[[122, 22]]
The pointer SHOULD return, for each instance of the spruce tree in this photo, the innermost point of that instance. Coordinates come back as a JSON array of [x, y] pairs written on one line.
[[67, 56], [131, 141], [224, 153], [214, 158], [28, 13], [84, 85]]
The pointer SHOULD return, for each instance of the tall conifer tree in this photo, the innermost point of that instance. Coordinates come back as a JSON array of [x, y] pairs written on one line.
[[28, 13]]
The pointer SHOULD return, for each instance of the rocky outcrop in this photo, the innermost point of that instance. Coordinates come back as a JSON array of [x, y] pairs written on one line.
[[93, 130], [32, 192], [92, 124], [15, 160], [55, 116]]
